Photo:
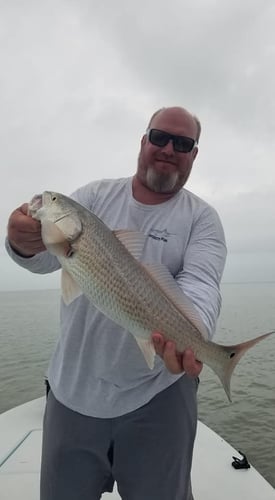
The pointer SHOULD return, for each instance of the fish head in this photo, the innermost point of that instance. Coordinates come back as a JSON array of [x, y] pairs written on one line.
[[60, 221]]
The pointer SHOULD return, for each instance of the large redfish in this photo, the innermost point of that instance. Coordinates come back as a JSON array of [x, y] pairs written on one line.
[[140, 297]]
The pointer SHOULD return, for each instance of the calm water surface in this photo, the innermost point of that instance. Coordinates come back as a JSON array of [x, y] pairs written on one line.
[[29, 331]]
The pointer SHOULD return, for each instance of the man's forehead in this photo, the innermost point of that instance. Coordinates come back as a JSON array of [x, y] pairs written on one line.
[[174, 119]]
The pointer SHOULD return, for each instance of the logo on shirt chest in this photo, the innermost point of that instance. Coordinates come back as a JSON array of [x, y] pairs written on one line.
[[158, 235]]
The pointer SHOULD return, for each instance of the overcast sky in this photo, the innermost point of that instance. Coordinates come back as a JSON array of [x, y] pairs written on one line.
[[80, 79]]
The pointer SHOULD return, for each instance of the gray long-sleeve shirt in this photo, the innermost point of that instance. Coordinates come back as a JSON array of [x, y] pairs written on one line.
[[97, 368]]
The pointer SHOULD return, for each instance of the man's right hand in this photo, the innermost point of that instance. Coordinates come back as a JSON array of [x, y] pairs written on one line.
[[24, 233]]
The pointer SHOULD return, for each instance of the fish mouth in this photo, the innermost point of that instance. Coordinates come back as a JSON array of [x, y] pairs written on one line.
[[35, 204], [38, 201]]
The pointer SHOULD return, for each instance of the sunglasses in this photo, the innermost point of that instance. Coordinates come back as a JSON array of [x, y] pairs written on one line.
[[181, 143]]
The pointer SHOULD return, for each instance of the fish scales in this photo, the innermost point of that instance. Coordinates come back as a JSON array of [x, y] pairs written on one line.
[[120, 284]]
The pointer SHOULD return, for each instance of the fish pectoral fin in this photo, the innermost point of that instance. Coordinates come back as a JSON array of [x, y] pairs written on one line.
[[148, 351], [132, 240], [70, 289], [167, 283]]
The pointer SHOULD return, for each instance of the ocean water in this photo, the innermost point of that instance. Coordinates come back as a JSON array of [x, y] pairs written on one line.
[[29, 330]]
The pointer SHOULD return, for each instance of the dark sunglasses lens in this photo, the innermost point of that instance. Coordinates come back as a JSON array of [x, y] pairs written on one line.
[[158, 138], [183, 144]]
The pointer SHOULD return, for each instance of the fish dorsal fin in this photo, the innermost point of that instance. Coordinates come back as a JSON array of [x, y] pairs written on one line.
[[169, 286], [133, 240], [147, 348], [70, 289]]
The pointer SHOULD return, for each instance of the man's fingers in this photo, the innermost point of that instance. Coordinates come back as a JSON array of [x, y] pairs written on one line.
[[175, 362], [20, 221], [191, 365], [159, 343], [167, 351], [172, 359], [24, 232], [24, 209]]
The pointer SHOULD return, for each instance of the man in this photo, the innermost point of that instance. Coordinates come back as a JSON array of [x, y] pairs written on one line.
[[108, 416]]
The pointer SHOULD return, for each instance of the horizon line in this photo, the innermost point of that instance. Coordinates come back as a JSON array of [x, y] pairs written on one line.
[[265, 282]]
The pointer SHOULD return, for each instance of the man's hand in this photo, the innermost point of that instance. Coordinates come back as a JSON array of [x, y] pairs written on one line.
[[24, 232], [176, 363]]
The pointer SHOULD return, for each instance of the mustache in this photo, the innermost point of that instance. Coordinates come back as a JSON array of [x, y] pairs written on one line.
[[165, 157]]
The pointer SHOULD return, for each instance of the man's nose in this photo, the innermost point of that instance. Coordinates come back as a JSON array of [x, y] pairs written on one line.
[[169, 148]]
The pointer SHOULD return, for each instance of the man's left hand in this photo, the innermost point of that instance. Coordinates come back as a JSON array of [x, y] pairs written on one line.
[[176, 362]]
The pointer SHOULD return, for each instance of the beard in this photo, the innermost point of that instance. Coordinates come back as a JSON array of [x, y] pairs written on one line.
[[161, 182]]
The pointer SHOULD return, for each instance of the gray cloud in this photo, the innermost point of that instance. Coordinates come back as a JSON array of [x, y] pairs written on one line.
[[80, 79], [206, 52]]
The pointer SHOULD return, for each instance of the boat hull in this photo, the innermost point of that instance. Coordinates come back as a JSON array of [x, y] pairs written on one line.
[[213, 476]]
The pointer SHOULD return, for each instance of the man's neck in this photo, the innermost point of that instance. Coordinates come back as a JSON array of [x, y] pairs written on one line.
[[144, 195]]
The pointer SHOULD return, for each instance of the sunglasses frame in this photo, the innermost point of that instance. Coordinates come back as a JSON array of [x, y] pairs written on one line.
[[170, 137]]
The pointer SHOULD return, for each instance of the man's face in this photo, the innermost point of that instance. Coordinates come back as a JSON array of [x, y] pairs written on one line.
[[161, 168]]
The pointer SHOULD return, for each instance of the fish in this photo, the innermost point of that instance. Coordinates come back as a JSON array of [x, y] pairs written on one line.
[[142, 298]]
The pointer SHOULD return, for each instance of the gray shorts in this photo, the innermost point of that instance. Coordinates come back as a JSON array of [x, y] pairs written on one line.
[[148, 452]]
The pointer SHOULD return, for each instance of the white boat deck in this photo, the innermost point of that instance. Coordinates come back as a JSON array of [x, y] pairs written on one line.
[[213, 476]]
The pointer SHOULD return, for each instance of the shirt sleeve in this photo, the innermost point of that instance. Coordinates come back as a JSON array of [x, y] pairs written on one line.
[[41, 263], [203, 266]]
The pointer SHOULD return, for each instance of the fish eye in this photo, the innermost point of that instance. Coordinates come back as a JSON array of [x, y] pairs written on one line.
[[54, 198]]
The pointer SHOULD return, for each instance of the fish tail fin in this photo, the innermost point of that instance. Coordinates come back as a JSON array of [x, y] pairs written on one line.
[[234, 353]]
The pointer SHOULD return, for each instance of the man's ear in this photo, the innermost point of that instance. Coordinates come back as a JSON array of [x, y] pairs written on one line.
[[143, 140], [195, 152]]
